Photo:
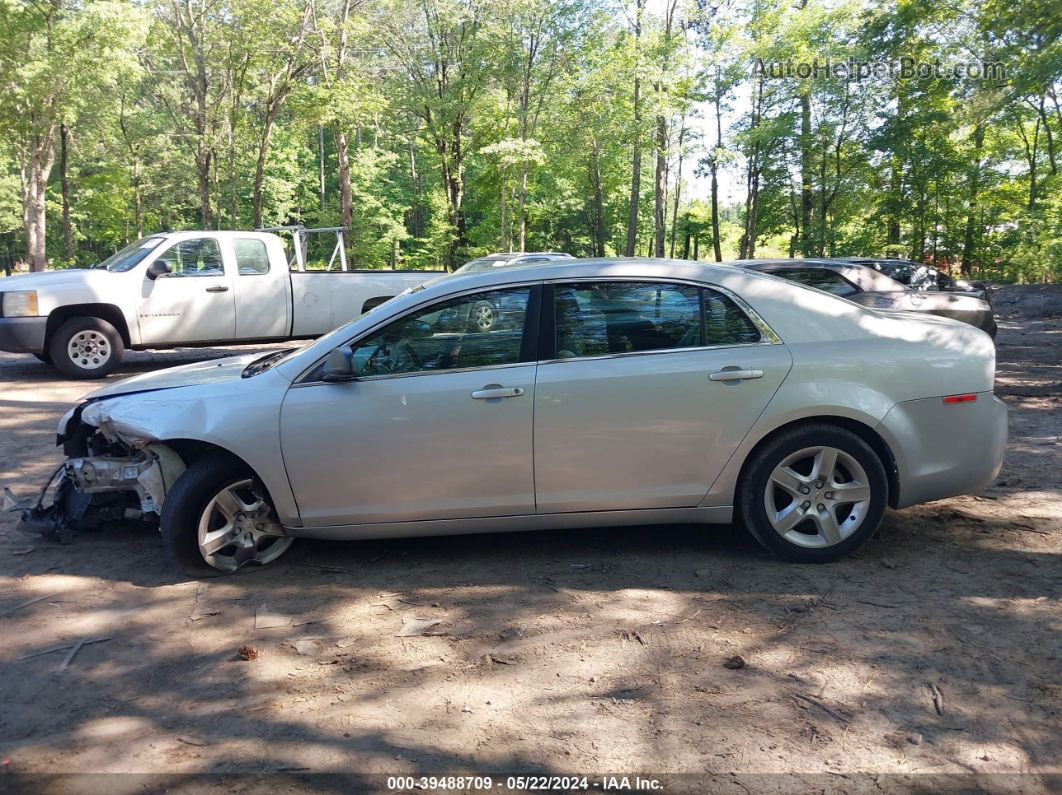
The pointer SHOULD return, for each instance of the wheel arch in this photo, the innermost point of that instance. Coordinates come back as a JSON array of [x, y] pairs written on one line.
[[109, 312], [192, 450], [864, 431]]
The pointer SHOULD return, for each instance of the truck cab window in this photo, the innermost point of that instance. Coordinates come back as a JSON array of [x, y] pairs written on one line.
[[252, 259], [197, 257]]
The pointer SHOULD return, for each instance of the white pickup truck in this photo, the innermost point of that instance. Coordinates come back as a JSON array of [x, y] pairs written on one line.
[[182, 289]]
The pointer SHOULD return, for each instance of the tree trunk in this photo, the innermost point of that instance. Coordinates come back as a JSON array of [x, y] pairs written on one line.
[[35, 175], [599, 204], [716, 245], [521, 205], [970, 235], [504, 224], [346, 199], [260, 163], [202, 168], [636, 157], [678, 188], [660, 187], [64, 186], [807, 197]]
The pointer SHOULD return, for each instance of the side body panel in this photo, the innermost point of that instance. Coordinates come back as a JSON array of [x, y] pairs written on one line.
[[410, 447], [843, 378], [647, 430], [173, 309], [324, 300], [942, 450], [263, 300]]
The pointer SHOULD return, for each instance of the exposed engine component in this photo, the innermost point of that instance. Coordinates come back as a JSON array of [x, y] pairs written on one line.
[[105, 481]]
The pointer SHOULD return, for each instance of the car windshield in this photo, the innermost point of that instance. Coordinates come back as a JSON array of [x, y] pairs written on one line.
[[128, 257]]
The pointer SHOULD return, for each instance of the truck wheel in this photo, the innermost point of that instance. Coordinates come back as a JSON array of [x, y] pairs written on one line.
[[217, 519], [85, 347]]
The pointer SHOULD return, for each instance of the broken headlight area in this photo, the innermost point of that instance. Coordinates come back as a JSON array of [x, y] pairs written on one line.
[[103, 482]]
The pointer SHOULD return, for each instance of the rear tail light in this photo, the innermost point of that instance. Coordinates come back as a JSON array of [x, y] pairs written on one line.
[[951, 399]]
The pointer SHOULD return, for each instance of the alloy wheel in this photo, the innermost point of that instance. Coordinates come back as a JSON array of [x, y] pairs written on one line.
[[238, 527], [817, 497]]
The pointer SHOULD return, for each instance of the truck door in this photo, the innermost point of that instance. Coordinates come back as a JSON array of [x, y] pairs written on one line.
[[263, 304], [194, 301]]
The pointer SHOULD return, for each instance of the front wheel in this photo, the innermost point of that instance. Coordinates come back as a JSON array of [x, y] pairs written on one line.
[[217, 518], [85, 347], [814, 494]]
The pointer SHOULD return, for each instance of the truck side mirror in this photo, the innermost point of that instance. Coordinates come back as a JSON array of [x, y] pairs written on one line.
[[158, 268], [339, 366]]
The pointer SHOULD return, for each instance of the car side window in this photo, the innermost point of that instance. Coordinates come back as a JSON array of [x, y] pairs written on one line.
[[725, 323], [196, 257], [252, 259], [480, 330], [600, 318], [821, 278]]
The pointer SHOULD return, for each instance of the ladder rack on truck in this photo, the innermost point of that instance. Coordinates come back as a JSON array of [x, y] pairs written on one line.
[[299, 235]]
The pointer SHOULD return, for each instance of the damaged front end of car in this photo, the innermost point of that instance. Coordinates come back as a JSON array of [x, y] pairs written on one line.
[[113, 473]]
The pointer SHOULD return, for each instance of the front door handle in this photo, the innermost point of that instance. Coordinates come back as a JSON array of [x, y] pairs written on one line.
[[497, 392], [735, 375], [221, 288]]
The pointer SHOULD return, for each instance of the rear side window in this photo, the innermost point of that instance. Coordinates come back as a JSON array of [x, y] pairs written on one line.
[[252, 259], [820, 278], [600, 318], [725, 323]]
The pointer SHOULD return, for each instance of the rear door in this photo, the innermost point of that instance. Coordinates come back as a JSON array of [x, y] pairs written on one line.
[[263, 301], [193, 302], [651, 388]]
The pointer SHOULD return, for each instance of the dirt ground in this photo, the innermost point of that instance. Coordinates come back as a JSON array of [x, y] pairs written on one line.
[[930, 660]]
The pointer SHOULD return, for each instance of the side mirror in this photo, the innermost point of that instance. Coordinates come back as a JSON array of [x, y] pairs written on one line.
[[158, 268], [339, 366]]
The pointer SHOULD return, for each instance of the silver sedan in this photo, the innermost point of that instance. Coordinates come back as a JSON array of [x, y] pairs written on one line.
[[611, 392]]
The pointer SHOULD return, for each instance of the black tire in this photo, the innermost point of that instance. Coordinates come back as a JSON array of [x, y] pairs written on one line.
[[185, 503], [759, 468], [43, 357], [61, 353]]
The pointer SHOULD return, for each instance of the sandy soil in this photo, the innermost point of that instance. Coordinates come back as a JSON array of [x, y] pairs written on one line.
[[580, 652]]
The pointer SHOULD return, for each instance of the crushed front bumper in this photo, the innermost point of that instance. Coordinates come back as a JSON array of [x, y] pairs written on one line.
[[85, 492]]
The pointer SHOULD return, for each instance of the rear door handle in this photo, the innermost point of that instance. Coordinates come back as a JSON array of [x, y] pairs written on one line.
[[221, 288], [497, 392], [735, 375]]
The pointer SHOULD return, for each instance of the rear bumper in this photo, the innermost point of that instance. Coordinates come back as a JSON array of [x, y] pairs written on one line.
[[945, 450], [22, 334]]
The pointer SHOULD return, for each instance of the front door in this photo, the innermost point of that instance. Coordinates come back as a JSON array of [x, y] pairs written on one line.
[[437, 425], [194, 301], [641, 406]]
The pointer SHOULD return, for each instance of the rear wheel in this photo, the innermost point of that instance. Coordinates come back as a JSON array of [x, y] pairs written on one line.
[[814, 494], [217, 518], [85, 347]]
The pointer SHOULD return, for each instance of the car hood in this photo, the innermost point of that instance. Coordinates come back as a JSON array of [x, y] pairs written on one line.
[[44, 279], [214, 371]]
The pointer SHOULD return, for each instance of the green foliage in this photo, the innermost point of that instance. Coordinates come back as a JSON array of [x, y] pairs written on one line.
[[468, 127]]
